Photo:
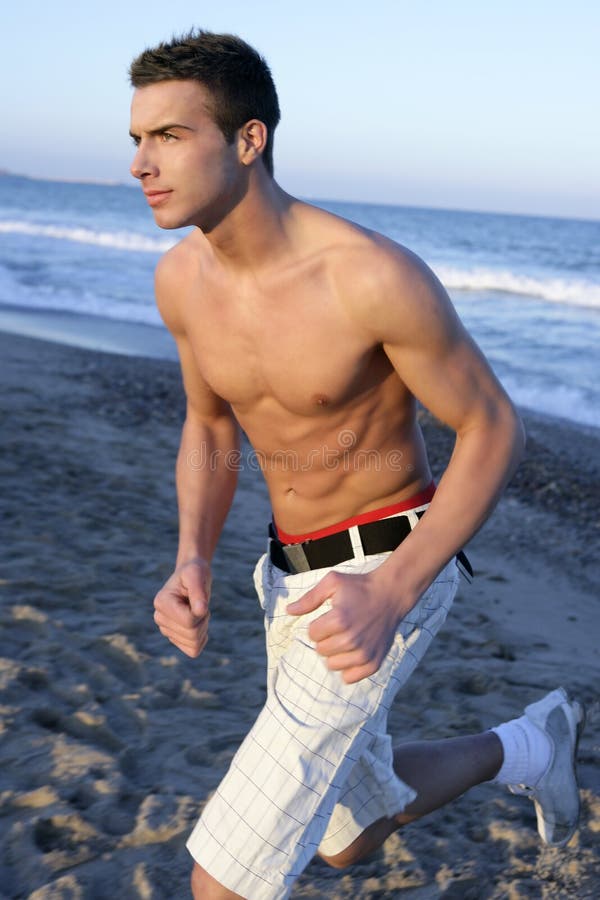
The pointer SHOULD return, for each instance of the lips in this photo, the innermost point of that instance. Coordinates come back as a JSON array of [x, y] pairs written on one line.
[[155, 197]]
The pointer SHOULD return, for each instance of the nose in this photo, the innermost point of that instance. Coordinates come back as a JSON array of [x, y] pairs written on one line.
[[142, 164]]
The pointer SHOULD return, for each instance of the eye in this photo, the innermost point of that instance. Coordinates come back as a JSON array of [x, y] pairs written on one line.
[[135, 140], [167, 137]]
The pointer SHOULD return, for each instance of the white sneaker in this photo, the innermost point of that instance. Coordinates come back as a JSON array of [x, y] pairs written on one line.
[[556, 795]]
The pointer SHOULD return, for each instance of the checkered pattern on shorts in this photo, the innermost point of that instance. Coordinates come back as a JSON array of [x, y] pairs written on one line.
[[316, 768]]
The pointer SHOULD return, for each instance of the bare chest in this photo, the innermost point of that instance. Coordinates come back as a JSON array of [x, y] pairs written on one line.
[[303, 352]]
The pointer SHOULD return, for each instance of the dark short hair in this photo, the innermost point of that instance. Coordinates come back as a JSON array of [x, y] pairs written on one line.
[[237, 77]]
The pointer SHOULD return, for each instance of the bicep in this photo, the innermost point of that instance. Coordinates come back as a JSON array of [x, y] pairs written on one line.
[[435, 356], [202, 402], [201, 399]]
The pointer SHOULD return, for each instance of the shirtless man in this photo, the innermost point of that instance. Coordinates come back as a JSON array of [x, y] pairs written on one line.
[[316, 336]]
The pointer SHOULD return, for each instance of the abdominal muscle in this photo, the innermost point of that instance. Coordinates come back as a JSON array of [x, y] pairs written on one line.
[[338, 464]]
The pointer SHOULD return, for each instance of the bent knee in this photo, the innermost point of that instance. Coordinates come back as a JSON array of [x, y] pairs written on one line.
[[345, 858], [366, 843], [204, 886], [197, 881], [194, 878]]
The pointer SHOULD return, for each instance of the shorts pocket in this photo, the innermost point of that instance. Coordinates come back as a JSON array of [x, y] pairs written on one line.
[[259, 579], [431, 610]]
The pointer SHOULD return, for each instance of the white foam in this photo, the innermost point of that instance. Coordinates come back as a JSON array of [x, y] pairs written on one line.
[[142, 309], [118, 240], [572, 291], [561, 400]]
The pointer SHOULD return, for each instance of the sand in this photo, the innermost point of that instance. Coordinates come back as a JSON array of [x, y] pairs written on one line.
[[111, 740]]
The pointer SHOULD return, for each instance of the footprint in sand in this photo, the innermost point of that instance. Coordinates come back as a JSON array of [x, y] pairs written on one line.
[[123, 659]]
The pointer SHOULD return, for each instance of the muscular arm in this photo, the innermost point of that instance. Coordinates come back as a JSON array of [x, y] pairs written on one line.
[[406, 310], [206, 483], [440, 363], [206, 479]]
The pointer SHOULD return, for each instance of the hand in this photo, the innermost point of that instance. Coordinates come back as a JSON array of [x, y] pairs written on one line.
[[355, 635], [181, 607]]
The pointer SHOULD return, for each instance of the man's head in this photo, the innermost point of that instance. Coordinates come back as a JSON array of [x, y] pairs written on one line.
[[237, 80]]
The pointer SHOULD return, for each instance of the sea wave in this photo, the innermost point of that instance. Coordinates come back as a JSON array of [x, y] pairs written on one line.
[[551, 287], [96, 300], [563, 401], [117, 240], [572, 291]]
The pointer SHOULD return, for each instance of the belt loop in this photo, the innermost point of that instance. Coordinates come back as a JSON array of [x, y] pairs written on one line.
[[357, 546], [413, 518]]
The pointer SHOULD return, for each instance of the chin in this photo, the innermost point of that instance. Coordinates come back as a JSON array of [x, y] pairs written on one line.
[[205, 218], [168, 223]]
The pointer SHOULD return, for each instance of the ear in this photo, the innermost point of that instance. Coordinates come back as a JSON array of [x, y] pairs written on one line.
[[252, 140]]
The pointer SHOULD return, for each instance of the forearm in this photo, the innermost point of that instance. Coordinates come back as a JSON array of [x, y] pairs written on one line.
[[482, 463], [206, 477]]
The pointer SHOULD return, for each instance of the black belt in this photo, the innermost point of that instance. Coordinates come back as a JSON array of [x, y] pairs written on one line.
[[381, 536]]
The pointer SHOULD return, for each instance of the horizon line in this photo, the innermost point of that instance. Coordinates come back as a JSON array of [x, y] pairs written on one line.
[[101, 182]]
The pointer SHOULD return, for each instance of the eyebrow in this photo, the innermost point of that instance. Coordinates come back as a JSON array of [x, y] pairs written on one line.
[[162, 128]]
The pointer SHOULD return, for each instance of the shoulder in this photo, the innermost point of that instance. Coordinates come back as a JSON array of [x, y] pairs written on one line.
[[376, 263], [177, 262], [381, 283], [356, 252], [172, 277]]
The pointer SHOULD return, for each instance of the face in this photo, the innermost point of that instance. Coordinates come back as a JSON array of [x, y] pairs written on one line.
[[189, 174]]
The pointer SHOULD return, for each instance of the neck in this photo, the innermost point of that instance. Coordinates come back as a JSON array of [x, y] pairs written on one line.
[[256, 232]]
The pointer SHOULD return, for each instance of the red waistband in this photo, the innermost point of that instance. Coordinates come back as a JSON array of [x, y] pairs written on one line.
[[424, 496]]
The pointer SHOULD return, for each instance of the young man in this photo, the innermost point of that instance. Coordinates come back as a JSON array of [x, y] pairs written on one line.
[[316, 336]]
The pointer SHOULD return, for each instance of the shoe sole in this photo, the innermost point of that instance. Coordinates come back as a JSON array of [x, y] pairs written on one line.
[[543, 826]]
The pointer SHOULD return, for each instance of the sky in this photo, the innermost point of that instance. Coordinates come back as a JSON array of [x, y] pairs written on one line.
[[462, 104]]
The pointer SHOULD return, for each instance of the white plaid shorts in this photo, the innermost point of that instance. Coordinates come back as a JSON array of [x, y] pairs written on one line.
[[316, 768]]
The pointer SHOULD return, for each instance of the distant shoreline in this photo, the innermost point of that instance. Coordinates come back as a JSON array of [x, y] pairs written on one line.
[[88, 332], [317, 201], [108, 182]]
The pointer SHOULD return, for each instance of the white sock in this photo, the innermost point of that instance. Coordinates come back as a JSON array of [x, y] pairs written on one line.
[[527, 752]]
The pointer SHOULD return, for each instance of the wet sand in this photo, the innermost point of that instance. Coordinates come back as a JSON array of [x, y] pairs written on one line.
[[111, 740]]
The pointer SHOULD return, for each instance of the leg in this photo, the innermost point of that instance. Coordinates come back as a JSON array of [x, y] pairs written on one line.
[[204, 887], [440, 771], [458, 764], [262, 827]]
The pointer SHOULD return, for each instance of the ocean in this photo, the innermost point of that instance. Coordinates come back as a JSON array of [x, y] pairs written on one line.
[[526, 287]]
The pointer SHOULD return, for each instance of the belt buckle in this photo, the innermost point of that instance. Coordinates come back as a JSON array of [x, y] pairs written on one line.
[[296, 558]]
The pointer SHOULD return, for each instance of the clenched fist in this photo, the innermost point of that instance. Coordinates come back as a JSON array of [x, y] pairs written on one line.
[[181, 607]]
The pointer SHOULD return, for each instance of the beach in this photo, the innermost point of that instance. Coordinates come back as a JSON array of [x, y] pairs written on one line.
[[111, 740]]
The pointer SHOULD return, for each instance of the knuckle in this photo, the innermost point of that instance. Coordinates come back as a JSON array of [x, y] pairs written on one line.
[[337, 618], [371, 667], [344, 625]]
